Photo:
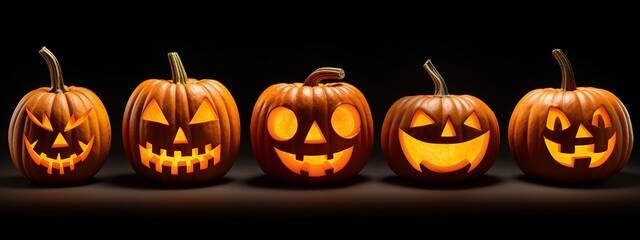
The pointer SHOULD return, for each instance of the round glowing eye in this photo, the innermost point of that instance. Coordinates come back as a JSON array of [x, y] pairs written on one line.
[[282, 123], [346, 121]]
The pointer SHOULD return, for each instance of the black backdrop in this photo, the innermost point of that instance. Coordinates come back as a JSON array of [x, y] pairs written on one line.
[[495, 52], [495, 55]]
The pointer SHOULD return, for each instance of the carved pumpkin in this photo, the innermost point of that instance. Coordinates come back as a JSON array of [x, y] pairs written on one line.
[[59, 134], [440, 138], [312, 132], [181, 131], [570, 134]]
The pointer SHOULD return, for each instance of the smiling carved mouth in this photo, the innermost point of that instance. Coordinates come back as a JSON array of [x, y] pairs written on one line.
[[178, 160], [315, 165], [581, 152], [58, 163], [440, 157]]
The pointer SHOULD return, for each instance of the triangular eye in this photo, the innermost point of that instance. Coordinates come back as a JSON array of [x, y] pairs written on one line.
[[74, 123], [421, 119], [153, 113], [205, 113], [472, 121], [46, 124], [601, 114]]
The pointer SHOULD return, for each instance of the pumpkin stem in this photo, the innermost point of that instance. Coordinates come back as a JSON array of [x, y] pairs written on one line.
[[323, 73], [441, 86], [57, 84], [178, 74], [568, 80]]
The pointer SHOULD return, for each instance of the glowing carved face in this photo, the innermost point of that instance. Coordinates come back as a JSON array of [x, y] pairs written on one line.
[[569, 142], [59, 154], [315, 150], [437, 147], [167, 157]]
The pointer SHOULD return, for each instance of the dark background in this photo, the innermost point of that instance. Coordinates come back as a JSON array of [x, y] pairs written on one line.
[[496, 53], [497, 59]]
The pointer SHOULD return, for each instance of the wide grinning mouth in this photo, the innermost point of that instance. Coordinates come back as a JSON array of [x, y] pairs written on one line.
[[444, 157], [315, 165], [58, 162], [581, 152]]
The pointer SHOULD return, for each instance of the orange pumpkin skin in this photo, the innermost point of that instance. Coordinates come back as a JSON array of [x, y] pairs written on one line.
[[570, 134], [59, 135], [180, 149], [332, 158], [470, 148]]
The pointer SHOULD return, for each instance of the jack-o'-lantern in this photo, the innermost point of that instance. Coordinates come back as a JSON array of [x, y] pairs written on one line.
[[312, 132], [570, 134], [181, 131], [59, 134], [440, 138]]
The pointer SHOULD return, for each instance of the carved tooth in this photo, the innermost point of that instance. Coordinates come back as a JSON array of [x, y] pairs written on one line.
[[174, 169], [145, 156], [306, 167], [163, 153], [159, 165], [216, 155], [189, 166], [60, 166], [194, 152], [204, 163]]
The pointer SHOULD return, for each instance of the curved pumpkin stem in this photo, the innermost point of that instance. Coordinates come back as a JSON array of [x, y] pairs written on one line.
[[55, 73], [323, 73], [568, 79], [178, 74], [441, 86]]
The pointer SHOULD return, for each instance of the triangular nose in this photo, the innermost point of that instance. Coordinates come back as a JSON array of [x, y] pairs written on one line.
[[448, 130], [180, 137], [59, 142], [583, 132], [315, 135]]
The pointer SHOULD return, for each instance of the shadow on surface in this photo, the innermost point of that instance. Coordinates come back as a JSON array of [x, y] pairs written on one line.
[[135, 181], [264, 181], [620, 180], [482, 181], [20, 182]]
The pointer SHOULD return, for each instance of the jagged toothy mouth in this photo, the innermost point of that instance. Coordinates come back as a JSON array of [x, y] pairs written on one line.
[[58, 162], [178, 160]]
